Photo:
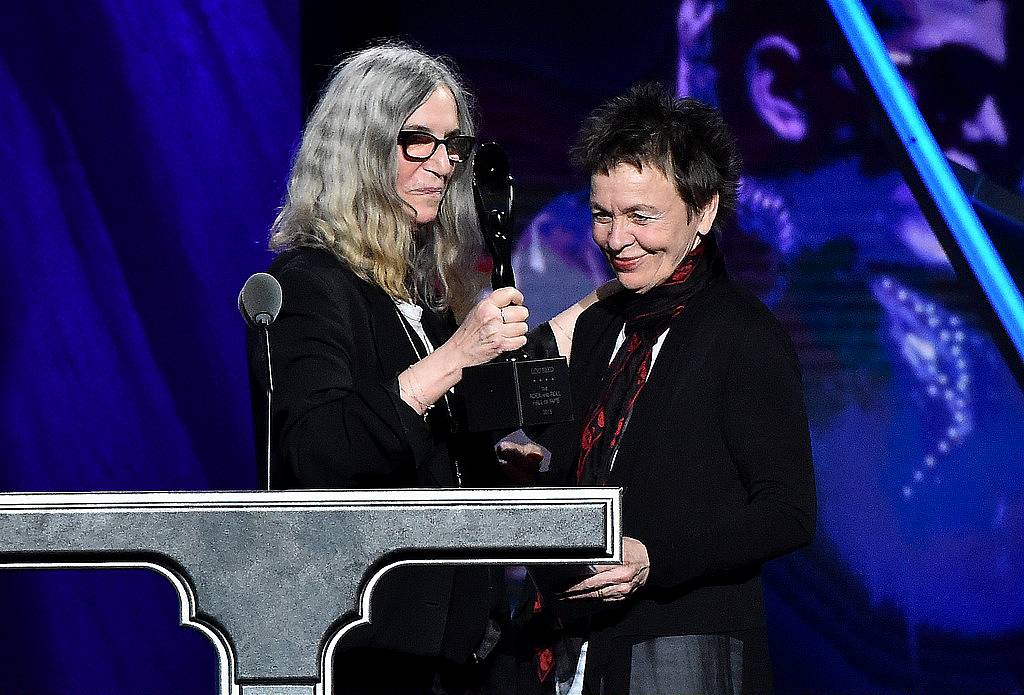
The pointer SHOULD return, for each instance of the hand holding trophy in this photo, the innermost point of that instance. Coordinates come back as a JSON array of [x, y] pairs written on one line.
[[511, 391]]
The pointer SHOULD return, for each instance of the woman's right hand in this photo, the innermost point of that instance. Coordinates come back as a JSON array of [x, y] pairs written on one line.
[[495, 325]]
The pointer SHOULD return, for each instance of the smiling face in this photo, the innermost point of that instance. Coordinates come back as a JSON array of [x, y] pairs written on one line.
[[422, 184], [640, 223]]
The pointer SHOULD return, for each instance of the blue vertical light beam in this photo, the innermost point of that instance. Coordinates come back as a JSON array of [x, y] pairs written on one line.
[[935, 171]]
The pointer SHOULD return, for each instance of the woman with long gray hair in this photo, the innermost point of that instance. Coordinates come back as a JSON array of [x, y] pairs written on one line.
[[378, 239]]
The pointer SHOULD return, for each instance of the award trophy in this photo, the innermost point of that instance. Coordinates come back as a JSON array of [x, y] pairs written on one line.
[[511, 391]]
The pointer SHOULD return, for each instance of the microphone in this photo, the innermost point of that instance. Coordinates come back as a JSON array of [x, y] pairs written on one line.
[[259, 303], [260, 299]]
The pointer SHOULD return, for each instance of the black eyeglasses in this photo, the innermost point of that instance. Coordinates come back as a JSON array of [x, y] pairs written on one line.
[[419, 145]]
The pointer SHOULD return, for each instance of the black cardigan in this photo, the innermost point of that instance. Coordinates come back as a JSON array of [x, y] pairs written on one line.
[[338, 422], [715, 462]]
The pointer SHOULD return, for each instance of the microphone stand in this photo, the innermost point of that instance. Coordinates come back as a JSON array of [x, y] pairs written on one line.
[[264, 324], [259, 303]]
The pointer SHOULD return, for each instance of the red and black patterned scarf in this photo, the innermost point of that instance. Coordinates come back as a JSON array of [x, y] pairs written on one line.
[[647, 316]]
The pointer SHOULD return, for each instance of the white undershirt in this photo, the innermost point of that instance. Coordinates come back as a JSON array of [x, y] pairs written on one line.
[[654, 355], [654, 351], [575, 686], [413, 313]]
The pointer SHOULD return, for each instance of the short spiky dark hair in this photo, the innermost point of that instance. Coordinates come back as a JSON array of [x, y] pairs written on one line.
[[685, 138]]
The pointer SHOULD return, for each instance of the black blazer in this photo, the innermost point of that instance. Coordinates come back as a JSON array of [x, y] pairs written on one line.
[[338, 345], [715, 462]]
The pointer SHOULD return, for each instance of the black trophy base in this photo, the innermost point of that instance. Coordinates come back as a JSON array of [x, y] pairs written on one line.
[[507, 395]]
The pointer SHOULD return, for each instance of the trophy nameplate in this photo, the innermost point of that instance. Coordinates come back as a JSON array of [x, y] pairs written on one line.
[[518, 393]]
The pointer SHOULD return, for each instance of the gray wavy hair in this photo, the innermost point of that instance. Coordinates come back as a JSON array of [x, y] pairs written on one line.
[[342, 188]]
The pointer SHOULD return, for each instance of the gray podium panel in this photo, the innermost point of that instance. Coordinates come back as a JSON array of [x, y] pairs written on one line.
[[275, 579]]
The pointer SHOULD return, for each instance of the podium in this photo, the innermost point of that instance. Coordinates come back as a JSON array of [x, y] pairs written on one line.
[[276, 579]]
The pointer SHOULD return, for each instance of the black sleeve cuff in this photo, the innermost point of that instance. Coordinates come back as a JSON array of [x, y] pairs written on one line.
[[413, 424]]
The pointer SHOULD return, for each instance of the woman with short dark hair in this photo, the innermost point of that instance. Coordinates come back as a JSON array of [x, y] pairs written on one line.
[[688, 396]]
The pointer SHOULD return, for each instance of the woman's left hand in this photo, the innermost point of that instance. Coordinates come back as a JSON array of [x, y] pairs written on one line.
[[615, 582]]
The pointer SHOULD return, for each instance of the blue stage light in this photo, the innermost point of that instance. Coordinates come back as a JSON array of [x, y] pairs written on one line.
[[935, 171]]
